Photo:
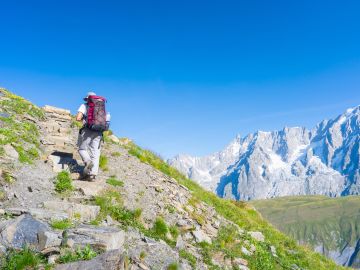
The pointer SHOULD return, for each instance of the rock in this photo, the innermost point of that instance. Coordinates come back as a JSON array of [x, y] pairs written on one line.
[[180, 243], [216, 224], [51, 109], [258, 236], [200, 236], [125, 141], [22, 231], [44, 214], [245, 251], [114, 139], [52, 259], [219, 259], [10, 152], [210, 229], [61, 162], [90, 188], [143, 266], [70, 243], [48, 214], [48, 239], [2, 212], [295, 267], [182, 223], [86, 212], [111, 260], [4, 115], [51, 251], [273, 251], [239, 262], [104, 238]]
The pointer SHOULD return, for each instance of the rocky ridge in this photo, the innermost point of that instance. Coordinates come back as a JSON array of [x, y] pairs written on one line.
[[193, 234], [292, 161]]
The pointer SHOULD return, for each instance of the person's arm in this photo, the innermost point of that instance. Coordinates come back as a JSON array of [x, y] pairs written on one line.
[[79, 116]]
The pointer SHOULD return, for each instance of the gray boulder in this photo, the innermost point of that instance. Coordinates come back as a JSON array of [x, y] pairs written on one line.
[[103, 238], [111, 260], [22, 231]]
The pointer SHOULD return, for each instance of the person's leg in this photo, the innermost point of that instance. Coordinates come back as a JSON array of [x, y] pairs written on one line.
[[95, 150], [83, 144]]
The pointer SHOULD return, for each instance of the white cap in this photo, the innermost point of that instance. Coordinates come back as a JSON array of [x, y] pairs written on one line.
[[89, 94]]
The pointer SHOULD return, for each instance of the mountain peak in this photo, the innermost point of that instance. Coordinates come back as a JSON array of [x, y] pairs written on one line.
[[291, 161]]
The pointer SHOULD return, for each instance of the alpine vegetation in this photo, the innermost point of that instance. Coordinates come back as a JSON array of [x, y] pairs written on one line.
[[138, 213]]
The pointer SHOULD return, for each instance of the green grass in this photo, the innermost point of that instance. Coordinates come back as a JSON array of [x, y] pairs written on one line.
[[314, 219], [103, 163], [242, 214], [173, 266], [160, 228], [25, 259], [174, 231], [17, 130], [170, 208], [111, 204], [189, 257], [113, 181], [116, 154], [81, 254], [8, 177], [62, 224], [142, 255], [63, 182]]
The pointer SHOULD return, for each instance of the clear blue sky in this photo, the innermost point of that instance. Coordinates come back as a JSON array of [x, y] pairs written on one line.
[[187, 76]]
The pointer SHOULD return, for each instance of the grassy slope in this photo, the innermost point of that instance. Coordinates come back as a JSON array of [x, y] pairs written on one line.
[[289, 253], [17, 129], [313, 219], [246, 217]]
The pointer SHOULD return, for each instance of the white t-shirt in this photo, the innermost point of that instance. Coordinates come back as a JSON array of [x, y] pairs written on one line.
[[83, 110]]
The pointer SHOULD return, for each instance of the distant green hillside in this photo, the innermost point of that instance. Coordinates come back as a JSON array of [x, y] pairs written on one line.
[[316, 220]]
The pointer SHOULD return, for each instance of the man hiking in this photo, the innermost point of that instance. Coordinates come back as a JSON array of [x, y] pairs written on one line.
[[94, 118]]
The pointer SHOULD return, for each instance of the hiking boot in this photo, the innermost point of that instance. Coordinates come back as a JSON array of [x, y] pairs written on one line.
[[88, 167], [91, 178]]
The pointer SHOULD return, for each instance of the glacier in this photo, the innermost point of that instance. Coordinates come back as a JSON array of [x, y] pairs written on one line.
[[292, 161]]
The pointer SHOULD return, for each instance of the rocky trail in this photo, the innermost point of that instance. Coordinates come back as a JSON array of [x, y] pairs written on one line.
[[33, 204], [132, 217]]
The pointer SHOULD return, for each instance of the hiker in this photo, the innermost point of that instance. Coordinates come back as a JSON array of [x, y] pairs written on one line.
[[95, 121]]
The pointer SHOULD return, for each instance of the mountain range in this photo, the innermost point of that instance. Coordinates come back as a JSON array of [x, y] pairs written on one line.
[[291, 161]]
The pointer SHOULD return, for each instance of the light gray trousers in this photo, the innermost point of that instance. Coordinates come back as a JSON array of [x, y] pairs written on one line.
[[90, 148]]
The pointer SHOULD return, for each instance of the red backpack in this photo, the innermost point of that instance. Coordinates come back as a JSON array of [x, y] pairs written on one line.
[[96, 114]]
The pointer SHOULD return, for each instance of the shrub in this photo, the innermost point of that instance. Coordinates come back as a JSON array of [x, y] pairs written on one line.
[[174, 231], [160, 228], [142, 255], [173, 266], [111, 204], [103, 163], [188, 256], [63, 182], [8, 178], [115, 182], [170, 208], [85, 254], [115, 154], [61, 224], [27, 156], [22, 260]]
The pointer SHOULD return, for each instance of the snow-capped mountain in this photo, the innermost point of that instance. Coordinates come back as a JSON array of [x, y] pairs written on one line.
[[292, 161]]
